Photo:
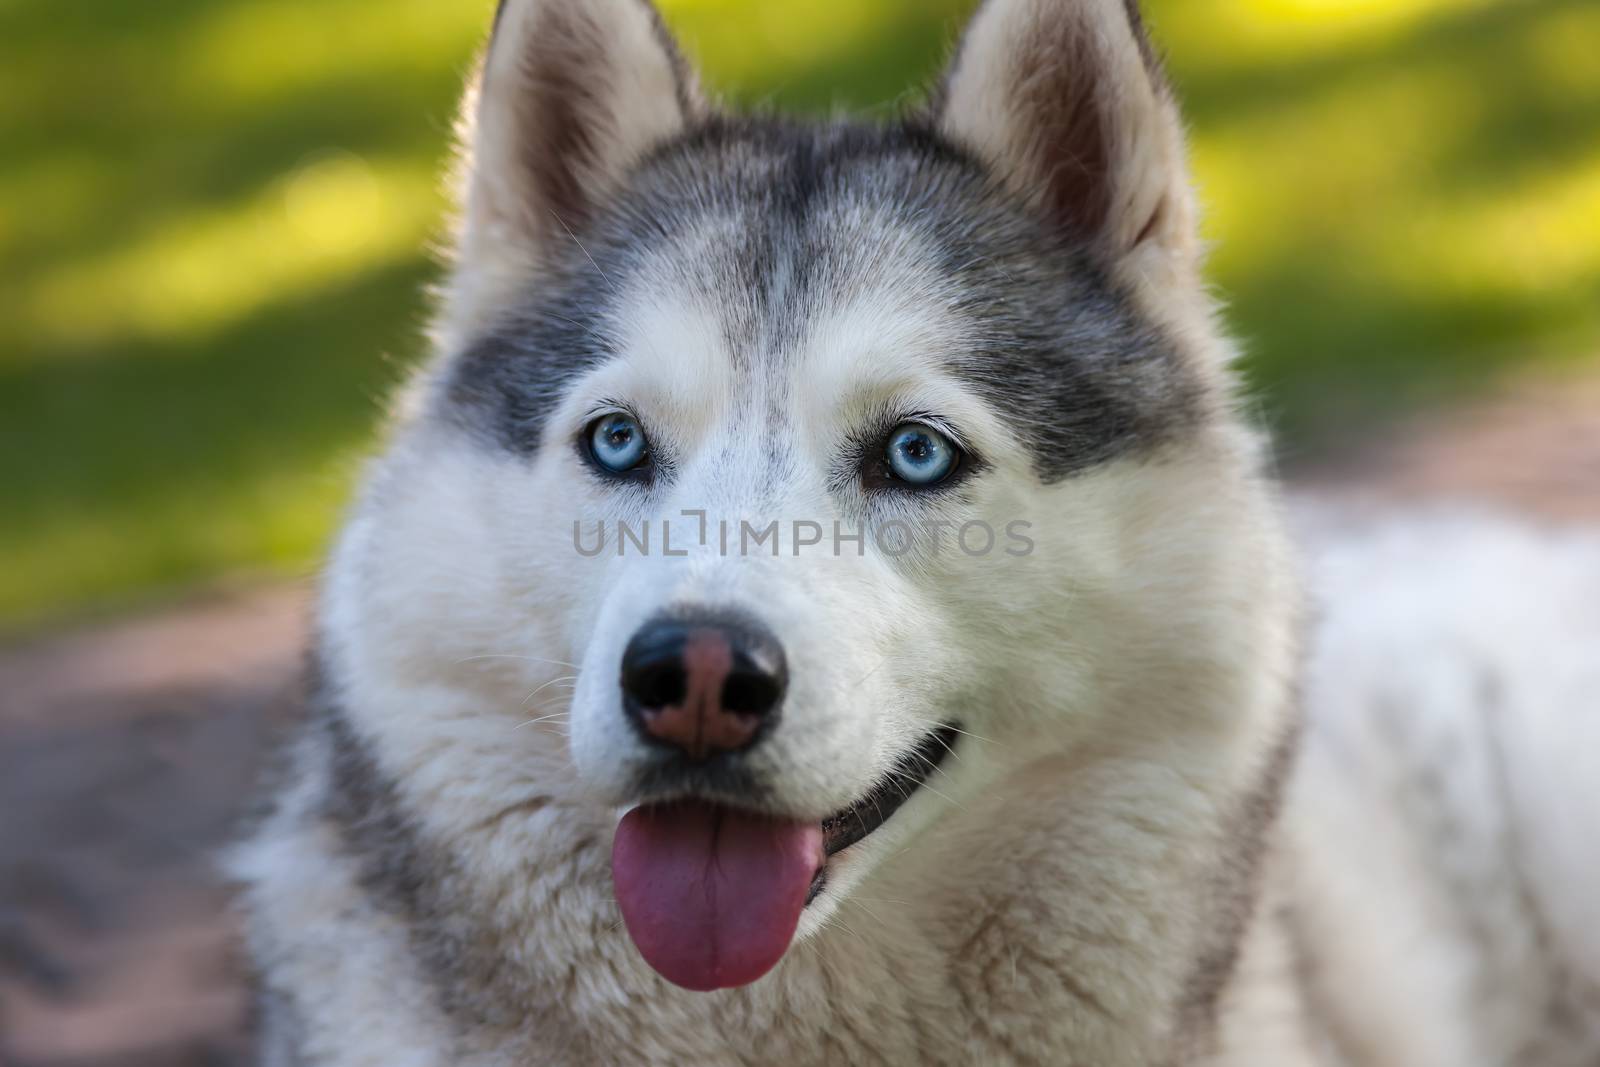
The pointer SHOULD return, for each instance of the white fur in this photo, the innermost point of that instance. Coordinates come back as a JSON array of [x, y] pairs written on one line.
[[1450, 772]]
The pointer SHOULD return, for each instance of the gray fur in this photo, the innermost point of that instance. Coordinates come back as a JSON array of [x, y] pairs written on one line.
[[809, 208], [279, 1030], [415, 880], [1237, 895]]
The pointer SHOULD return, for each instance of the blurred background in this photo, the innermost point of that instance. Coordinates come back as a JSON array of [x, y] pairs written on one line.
[[215, 218]]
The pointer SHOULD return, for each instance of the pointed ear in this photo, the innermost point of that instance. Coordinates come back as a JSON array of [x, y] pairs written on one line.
[[570, 94], [1066, 100]]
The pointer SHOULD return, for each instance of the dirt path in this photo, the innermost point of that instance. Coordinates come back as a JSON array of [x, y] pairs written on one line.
[[1533, 449], [127, 753]]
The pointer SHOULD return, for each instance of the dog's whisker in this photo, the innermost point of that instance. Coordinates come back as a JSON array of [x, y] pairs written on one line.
[[975, 737], [511, 655], [549, 707], [945, 797], [869, 674], [858, 903], [836, 918], [915, 783], [554, 681], [934, 765], [948, 747], [556, 717]]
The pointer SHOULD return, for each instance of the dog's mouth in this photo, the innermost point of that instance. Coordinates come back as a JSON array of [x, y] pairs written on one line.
[[841, 830], [712, 895]]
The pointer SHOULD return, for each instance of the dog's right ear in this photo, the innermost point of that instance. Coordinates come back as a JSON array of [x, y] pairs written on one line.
[[1066, 102], [570, 94]]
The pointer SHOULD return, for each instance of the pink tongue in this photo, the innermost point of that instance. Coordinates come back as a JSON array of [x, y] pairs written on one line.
[[712, 896]]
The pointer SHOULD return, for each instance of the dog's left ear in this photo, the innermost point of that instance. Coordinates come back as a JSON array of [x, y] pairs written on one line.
[[1066, 100]]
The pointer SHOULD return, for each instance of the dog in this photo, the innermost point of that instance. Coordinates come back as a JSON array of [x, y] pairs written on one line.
[[823, 604]]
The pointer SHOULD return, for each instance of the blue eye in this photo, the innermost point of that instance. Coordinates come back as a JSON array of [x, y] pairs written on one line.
[[617, 443], [920, 455]]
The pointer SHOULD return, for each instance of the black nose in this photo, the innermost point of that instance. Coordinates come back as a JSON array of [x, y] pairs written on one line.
[[704, 685]]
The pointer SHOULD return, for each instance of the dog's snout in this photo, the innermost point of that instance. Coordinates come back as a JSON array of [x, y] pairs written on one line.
[[703, 686]]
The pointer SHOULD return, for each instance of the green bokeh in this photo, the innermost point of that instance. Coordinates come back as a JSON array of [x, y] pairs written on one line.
[[212, 216]]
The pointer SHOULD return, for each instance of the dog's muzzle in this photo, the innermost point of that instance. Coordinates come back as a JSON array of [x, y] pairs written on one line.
[[711, 891]]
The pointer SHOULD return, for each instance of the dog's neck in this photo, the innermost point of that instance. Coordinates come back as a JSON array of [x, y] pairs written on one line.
[[1057, 910]]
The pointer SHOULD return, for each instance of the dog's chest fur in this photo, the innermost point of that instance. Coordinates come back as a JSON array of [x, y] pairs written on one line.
[[1003, 949]]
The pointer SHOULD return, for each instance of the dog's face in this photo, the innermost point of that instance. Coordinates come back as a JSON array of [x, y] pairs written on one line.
[[766, 466]]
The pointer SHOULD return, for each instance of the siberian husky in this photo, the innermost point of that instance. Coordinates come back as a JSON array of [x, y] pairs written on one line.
[[823, 605]]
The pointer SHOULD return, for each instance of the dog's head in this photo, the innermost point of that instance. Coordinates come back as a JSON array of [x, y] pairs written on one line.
[[775, 479]]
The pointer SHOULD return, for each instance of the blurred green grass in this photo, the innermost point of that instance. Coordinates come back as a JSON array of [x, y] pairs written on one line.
[[213, 215]]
